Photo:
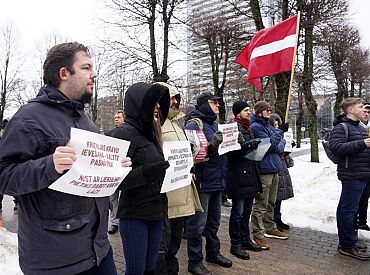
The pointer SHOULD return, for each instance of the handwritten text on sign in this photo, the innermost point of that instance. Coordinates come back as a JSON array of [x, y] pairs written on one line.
[[178, 154], [230, 134], [97, 172]]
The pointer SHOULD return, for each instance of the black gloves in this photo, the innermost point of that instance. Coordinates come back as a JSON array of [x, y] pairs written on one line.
[[253, 143], [217, 138], [155, 170], [241, 139], [293, 144], [284, 127]]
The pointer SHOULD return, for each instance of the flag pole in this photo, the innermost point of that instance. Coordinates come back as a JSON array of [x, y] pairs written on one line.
[[292, 71]]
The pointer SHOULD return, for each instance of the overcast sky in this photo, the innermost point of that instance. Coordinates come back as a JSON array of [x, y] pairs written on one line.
[[77, 19]]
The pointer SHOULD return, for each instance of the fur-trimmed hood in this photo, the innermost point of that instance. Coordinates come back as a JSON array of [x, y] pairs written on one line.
[[140, 100]]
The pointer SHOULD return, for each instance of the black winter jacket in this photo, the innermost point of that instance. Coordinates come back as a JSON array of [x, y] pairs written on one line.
[[285, 186], [354, 148], [58, 233], [242, 178], [141, 198]]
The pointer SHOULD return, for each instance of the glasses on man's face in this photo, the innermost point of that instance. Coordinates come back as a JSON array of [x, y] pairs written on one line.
[[269, 110], [213, 101]]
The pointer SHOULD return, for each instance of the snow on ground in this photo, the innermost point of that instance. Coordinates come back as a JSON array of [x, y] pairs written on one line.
[[9, 253], [316, 190], [316, 195]]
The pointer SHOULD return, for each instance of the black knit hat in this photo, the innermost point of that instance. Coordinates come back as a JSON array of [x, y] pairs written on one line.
[[239, 106], [260, 106]]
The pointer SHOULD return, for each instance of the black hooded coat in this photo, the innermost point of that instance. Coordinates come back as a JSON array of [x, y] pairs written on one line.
[[141, 198]]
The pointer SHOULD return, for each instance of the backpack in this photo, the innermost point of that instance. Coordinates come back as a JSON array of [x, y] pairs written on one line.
[[198, 121], [332, 156]]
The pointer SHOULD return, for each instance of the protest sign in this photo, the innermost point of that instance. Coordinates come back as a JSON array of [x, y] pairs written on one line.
[[230, 134], [97, 172], [258, 154], [200, 144], [178, 154], [288, 136]]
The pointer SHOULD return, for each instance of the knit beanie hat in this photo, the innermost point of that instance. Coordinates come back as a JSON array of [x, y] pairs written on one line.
[[239, 106], [260, 106]]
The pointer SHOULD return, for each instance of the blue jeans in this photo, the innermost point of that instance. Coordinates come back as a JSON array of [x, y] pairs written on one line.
[[141, 240], [239, 221], [207, 221], [347, 209], [106, 266]]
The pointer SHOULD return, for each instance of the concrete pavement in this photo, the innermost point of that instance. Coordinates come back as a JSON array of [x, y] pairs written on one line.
[[305, 252]]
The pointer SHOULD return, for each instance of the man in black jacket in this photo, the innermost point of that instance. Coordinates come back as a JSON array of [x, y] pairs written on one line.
[[353, 171], [58, 233]]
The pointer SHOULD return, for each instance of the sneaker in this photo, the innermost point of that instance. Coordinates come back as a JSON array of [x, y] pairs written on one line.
[[199, 269], [227, 203], [354, 252], [276, 234], [262, 243], [361, 247], [363, 227]]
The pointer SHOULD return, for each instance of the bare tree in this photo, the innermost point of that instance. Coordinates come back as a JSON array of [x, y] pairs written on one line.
[[9, 69], [140, 20], [340, 40], [221, 37]]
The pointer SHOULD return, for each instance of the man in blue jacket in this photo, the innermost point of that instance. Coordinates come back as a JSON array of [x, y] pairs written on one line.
[[263, 224], [210, 181], [58, 233]]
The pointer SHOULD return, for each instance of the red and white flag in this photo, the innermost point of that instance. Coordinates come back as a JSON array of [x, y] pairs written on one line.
[[271, 51]]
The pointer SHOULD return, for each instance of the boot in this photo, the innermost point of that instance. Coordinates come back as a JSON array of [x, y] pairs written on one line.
[[239, 252], [281, 226]]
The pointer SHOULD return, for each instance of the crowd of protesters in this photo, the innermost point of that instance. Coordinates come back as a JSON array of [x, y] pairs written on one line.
[[60, 233]]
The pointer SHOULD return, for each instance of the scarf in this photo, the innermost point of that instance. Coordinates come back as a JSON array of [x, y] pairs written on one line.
[[244, 123]]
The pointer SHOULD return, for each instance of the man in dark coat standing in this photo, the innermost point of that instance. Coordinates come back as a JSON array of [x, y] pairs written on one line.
[[58, 233], [210, 181], [353, 171], [243, 184]]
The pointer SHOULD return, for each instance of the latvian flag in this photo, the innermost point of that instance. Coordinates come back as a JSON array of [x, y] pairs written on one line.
[[270, 51]]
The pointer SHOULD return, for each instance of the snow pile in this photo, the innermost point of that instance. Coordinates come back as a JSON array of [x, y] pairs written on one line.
[[9, 253], [316, 195]]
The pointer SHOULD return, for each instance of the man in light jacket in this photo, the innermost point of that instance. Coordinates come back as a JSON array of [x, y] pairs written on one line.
[[182, 202]]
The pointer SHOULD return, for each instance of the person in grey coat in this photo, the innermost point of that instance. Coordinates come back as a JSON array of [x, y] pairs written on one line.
[[58, 233]]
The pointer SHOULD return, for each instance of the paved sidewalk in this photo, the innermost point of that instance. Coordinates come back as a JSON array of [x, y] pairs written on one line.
[[305, 252]]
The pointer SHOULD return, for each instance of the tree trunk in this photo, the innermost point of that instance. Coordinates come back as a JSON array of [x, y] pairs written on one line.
[[256, 14], [307, 79], [282, 89]]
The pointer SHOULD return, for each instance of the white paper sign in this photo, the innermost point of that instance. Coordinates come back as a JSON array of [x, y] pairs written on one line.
[[288, 136], [230, 135], [97, 172], [258, 154], [178, 154]]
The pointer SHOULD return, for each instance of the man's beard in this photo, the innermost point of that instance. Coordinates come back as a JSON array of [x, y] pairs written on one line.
[[86, 98]]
